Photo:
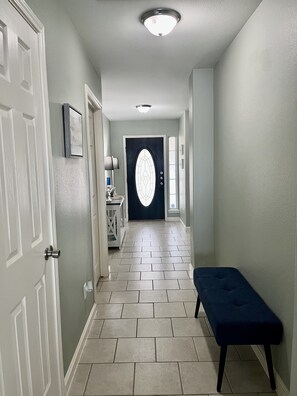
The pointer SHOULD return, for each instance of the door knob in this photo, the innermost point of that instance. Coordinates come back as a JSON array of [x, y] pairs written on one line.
[[50, 252]]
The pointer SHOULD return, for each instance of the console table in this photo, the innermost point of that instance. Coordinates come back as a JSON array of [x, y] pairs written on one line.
[[115, 221]]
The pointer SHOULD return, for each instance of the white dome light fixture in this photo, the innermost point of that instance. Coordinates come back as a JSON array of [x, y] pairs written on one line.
[[160, 21], [144, 108]]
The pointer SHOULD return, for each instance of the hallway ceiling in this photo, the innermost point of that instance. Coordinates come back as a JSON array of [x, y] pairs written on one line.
[[137, 67]]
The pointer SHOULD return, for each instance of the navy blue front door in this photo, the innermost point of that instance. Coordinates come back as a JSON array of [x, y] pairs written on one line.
[[145, 200]]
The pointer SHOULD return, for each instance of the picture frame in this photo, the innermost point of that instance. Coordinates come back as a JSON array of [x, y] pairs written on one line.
[[73, 131]]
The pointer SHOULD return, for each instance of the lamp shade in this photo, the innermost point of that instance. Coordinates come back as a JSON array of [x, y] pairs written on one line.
[[160, 21], [108, 163], [115, 163], [111, 163]]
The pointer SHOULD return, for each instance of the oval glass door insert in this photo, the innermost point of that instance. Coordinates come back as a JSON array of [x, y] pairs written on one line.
[[145, 177]]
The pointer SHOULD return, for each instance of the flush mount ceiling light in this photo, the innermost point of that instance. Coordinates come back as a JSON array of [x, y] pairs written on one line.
[[143, 108], [160, 21]]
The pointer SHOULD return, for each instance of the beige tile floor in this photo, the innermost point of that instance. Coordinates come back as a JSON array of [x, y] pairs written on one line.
[[144, 339]]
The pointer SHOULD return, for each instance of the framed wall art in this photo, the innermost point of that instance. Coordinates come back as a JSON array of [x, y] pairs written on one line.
[[73, 132]]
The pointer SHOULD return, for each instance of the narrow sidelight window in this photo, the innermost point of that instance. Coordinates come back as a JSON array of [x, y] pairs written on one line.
[[173, 204]]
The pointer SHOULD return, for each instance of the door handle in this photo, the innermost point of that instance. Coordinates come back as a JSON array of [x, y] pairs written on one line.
[[50, 252]]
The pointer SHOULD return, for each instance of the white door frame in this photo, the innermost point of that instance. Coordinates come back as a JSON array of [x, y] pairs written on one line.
[[25, 11], [165, 167], [91, 99]]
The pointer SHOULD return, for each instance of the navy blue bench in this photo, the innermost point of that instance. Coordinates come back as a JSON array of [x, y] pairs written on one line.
[[236, 313]]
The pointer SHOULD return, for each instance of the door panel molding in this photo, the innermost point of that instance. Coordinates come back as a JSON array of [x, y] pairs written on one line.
[[43, 337], [21, 349], [10, 196]]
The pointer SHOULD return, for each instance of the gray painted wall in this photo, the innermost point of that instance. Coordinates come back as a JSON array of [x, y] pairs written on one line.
[[106, 135], [184, 194], [68, 70], [119, 129], [256, 161], [201, 123]]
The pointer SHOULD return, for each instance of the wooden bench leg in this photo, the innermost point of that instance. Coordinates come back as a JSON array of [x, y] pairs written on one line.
[[223, 354], [197, 307], [269, 365]]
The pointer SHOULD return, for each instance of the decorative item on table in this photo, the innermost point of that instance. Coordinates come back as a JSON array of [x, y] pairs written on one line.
[[113, 192], [110, 192]]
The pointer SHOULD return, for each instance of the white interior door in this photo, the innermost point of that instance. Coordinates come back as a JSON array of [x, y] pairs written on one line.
[[94, 197], [30, 357]]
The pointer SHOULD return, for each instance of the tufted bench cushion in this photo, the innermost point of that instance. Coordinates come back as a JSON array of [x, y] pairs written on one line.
[[236, 313]]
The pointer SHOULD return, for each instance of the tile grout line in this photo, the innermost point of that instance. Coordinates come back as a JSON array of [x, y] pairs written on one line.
[[155, 344], [115, 350], [134, 377], [173, 336], [88, 377], [180, 378], [101, 328], [136, 333]]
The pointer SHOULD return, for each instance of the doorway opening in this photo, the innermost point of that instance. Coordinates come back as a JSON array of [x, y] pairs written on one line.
[[97, 187]]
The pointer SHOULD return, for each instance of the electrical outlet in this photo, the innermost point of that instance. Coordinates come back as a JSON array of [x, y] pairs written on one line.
[[88, 288]]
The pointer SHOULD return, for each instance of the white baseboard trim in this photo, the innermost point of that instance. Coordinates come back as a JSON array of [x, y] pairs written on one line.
[[78, 351], [188, 229], [172, 218], [281, 388]]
